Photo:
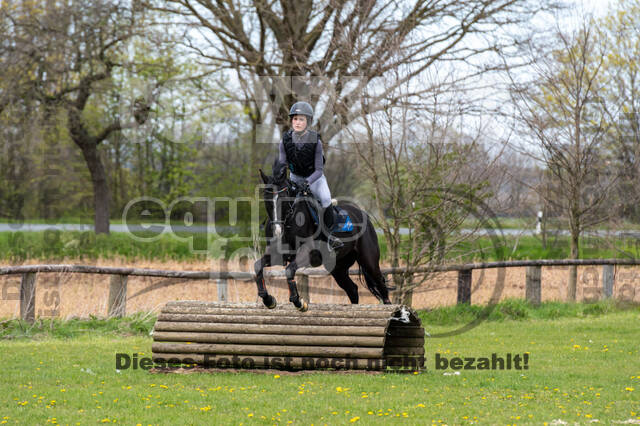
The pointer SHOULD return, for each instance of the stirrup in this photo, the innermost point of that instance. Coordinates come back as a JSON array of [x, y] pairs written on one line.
[[334, 243]]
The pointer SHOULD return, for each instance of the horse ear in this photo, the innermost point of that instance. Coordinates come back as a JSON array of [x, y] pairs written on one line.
[[265, 178], [279, 171]]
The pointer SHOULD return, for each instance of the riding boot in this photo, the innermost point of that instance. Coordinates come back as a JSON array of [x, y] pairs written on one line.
[[330, 219]]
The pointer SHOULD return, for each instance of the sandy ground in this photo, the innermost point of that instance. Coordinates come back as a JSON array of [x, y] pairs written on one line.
[[66, 295]]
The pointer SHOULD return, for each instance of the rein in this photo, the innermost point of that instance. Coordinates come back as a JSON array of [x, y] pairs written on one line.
[[275, 221], [276, 192]]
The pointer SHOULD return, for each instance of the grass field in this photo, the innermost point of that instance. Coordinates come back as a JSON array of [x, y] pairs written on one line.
[[582, 368], [505, 222]]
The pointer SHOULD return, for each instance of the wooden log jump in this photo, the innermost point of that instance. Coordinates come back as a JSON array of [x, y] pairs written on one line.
[[242, 335]]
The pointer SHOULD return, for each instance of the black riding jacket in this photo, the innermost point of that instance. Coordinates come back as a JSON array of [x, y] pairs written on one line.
[[301, 157]]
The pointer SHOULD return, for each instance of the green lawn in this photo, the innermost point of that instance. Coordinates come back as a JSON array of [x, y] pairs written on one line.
[[580, 369], [530, 247], [80, 245], [505, 222], [58, 245]]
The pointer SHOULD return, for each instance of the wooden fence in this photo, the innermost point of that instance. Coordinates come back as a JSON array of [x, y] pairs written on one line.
[[119, 276]]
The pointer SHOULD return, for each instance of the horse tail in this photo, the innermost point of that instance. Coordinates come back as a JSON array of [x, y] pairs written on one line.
[[371, 284]]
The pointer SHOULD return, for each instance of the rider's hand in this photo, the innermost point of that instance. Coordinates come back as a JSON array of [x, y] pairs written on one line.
[[305, 187]]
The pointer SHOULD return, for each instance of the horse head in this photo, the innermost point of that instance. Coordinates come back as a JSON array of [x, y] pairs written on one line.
[[286, 203], [277, 192]]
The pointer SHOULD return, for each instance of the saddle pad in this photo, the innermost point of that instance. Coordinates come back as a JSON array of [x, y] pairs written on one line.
[[344, 223]]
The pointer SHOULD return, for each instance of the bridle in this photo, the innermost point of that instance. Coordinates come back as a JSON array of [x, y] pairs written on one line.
[[275, 220], [276, 194]]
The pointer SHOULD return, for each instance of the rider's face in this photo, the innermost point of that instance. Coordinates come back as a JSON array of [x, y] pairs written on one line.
[[299, 122]]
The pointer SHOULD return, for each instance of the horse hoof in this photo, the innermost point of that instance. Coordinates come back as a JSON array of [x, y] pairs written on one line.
[[304, 307], [270, 302]]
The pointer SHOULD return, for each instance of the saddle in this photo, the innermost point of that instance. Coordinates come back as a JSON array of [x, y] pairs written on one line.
[[343, 222]]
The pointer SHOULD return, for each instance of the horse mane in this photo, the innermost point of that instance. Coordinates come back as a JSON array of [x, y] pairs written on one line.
[[279, 170]]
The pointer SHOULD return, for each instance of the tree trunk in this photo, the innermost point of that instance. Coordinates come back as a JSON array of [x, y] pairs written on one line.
[[573, 270], [407, 298], [398, 279], [122, 192], [100, 187], [253, 155], [544, 227]]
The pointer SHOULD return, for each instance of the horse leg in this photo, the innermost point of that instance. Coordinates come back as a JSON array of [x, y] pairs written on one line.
[[294, 297], [341, 275], [268, 300]]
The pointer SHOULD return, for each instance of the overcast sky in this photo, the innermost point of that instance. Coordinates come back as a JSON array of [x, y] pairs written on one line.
[[599, 7]]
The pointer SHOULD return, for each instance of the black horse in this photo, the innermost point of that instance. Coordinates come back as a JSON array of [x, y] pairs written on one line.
[[294, 236]]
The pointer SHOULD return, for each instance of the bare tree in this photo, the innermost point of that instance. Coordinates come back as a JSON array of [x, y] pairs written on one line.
[[622, 27], [318, 50], [65, 54], [562, 111], [426, 178]]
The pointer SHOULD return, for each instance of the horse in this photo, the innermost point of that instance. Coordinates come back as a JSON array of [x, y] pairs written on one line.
[[295, 237]]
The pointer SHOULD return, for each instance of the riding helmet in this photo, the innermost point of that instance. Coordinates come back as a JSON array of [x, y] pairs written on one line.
[[301, 108]]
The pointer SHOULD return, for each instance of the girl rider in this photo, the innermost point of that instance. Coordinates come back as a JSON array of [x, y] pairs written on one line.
[[301, 150]]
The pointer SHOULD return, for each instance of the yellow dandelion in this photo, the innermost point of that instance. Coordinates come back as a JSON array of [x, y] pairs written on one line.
[[354, 419]]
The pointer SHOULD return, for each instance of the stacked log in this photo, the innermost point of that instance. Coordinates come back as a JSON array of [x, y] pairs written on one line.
[[236, 335]]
